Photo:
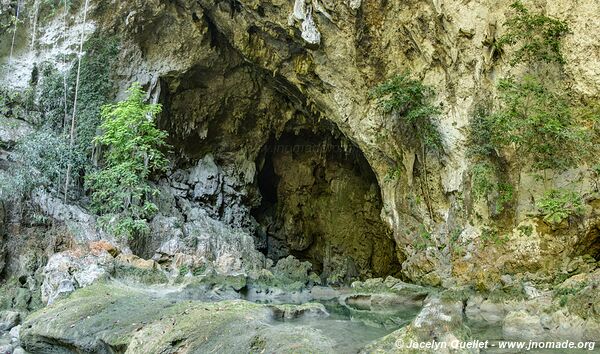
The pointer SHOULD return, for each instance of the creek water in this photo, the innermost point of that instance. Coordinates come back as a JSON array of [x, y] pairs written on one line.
[[493, 334], [351, 329]]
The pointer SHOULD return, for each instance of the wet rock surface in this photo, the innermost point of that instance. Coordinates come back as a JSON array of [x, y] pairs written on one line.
[[150, 321]]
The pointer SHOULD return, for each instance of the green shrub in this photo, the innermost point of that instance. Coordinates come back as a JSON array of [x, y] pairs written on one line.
[[491, 234], [538, 123], [16, 104], [40, 161], [560, 204], [505, 196], [121, 191], [485, 185], [537, 35], [411, 101], [479, 134], [483, 180]]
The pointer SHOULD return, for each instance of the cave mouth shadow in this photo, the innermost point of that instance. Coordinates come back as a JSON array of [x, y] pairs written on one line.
[[321, 203]]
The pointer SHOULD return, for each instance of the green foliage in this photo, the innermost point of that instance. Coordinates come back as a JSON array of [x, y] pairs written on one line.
[[491, 235], [121, 191], [505, 196], [393, 173], [183, 270], [485, 185], [16, 104], [49, 8], [560, 204], [526, 230], [479, 135], [565, 293], [95, 89], [538, 123], [424, 240], [7, 21], [483, 180], [41, 161], [411, 100], [537, 35]]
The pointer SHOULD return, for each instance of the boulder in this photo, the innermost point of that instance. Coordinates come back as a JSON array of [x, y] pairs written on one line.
[[520, 325], [206, 241], [6, 348], [481, 310], [439, 319], [14, 333], [8, 320], [67, 271], [12, 130]]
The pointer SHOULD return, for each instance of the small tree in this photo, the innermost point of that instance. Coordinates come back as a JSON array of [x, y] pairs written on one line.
[[411, 101], [40, 161], [540, 125], [538, 35], [121, 192]]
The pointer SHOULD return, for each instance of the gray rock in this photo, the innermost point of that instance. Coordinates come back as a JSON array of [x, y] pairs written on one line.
[[14, 333], [520, 325], [506, 280], [9, 319], [6, 349], [438, 319], [13, 130], [205, 178], [19, 350], [354, 4], [482, 310], [247, 325], [531, 291], [66, 272]]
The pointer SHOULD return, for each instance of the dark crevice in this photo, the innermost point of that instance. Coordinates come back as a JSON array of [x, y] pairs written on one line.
[[321, 204]]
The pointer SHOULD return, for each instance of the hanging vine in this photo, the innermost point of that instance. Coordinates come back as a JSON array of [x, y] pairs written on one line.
[[74, 115]]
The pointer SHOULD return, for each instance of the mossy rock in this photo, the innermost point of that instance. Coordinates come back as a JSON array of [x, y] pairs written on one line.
[[141, 275], [111, 317]]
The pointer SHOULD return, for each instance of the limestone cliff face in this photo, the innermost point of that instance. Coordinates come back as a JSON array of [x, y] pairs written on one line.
[[234, 75]]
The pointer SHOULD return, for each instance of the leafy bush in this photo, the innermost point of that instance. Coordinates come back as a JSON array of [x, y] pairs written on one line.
[[483, 180], [411, 100], [505, 196], [538, 123], [539, 36], [485, 185], [559, 204], [491, 235], [41, 161], [16, 104], [479, 134], [121, 191]]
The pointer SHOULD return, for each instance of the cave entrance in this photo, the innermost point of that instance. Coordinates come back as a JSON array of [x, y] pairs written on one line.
[[321, 203]]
